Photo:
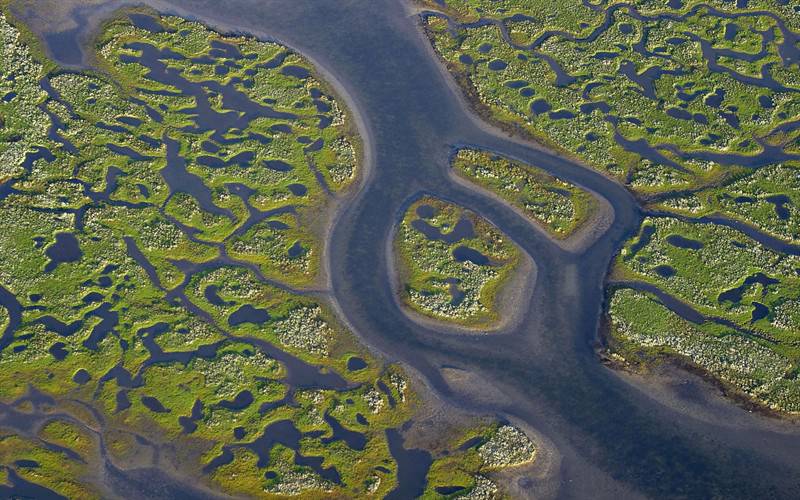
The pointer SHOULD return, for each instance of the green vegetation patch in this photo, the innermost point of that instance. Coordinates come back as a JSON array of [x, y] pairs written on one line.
[[642, 328], [767, 199], [41, 461], [560, 207], [465, 469], [660, 96], [453, 263], [721, 272], [738, 300], [160, 219]]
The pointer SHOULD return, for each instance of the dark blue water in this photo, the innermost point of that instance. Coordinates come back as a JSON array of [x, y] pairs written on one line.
[[760, 311], [665, 271], [189, 423], [81, 377], [462, 254], [154, 405], [449, 490], [248, 314], [242, 400], [734, 295], [355, 363], [22, 489], [65, 249], [146, 22], [679, 241], [281, 432], [412, 468], [462, 230], [780, 201], [57, 351], [354, 440]]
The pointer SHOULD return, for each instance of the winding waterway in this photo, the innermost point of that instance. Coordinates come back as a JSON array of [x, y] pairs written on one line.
[[611, 439]]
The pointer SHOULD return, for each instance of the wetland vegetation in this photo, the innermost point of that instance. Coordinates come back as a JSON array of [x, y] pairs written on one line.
[[660, 96], [558, 206], [694, 106], [164, 218], [453, 264], [713, 295]]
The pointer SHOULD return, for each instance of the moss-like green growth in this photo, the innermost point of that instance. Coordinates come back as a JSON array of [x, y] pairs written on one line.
[[465, 466], [745, 297], [652, 94], [453, 263], [767, 199], [558, 206], [693, 105], [42, 462], [159, 219], [721, 272], [643, 328]]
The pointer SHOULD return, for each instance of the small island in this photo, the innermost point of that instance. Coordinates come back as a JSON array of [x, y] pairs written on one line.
[[453, 264]]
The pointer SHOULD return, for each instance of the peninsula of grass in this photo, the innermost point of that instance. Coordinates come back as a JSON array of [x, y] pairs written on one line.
[[465, 468], [558, 206], [736, 305], [693, 105], [767, 199], [643, 330]]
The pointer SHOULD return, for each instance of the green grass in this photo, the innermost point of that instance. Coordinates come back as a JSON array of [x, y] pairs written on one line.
[[56, 470], [596, 70], [558, 206], [118, 205], [725, 261], [727, 277], [466, 462], [747, 198], [643, 329], [428, 267], [642, 78]]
